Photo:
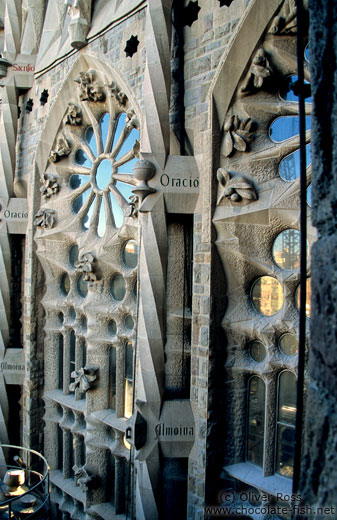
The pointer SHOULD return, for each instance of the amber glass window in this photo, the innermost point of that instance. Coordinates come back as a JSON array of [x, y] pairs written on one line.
[[128, 379], [286, 416], [256, 415]]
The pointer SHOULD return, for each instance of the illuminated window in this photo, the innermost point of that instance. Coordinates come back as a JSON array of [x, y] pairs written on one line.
[[308, 297], [288, 344], [128, 379], [286, 417], [267, 295], [130, 254], [286, 249]]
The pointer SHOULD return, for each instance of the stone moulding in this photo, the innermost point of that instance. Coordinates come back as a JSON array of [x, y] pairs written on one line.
[[45, 218], [84, 265], [62, 149], [74, 115], [259, 70], [50, 186], [237, 135], [84, 379], [90, 89], [235, 188]]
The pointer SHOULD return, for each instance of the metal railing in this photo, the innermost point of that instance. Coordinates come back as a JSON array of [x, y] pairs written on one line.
[[31, 499]]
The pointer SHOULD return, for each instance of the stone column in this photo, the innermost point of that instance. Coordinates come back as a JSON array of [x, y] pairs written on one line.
[[319, 463]]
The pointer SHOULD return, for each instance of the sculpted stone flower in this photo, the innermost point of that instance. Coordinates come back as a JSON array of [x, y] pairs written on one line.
[[258, 72], [235, 188], [90, 90], [62, 150], [83, 479], [237, 135], [45, 218], [85, 266], [74, 115], [50, 186], [84, 379], [115, 92]]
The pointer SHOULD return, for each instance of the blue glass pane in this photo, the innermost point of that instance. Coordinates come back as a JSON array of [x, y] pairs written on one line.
[[290, 89], [101, 228], [80, 200], [285, 127], [105, 127], [82, 159], [78, 180], [125, 190], [117, 212], [290, 165], [306, 54], [103, 174], [127, 167], [128, 143], [87, 218], [309, 189], [90, 138]]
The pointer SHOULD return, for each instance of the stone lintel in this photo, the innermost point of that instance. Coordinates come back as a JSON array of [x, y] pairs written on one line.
[[14, 213]]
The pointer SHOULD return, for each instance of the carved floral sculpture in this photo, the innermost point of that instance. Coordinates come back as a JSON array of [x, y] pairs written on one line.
[[116, 93], [258, 72], [62, 150], [287, 23], [85, 266], [235, 188], [50, 186], [237, 135], [90, 90], [73, 115], [45, 218], [84, 379], [83, 479]]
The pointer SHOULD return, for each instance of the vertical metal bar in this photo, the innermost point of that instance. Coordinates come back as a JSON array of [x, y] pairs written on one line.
[[303, 246]]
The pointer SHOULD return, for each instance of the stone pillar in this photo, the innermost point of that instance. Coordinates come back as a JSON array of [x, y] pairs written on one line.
[[319, 464]]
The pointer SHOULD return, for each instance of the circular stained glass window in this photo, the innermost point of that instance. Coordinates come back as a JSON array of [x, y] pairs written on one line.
[[130, 254], [288, 344], [65, 284], [118, 287], [257, 351], [267, 295], [308, 297], [112, 327], [82, 286], [129, 323], [286, 249]]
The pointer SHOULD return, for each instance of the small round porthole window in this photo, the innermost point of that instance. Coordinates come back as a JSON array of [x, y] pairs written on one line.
[[286, 249], [308, 297], [118, 287], [82, 287], [65, 284], [130, 254], [267, 295], [288, 344], [129, 323], [257, 351]]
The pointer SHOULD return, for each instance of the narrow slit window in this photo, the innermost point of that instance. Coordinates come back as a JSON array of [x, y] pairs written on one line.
[[256, 417]]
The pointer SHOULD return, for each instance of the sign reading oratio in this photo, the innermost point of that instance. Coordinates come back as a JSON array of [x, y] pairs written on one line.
[[15, 215]]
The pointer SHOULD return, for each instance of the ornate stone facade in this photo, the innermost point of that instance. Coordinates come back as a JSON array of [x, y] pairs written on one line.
[[157, 152]]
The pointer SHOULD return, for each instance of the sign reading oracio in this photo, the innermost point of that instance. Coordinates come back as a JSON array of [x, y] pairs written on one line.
[[15, 214]]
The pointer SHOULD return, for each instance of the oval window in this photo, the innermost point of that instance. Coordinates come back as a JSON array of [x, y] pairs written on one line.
[[130, 254], [82, 286], [118, 287], [257, 351], [267, 295], [288, 344], [286, 249], [65, 284]]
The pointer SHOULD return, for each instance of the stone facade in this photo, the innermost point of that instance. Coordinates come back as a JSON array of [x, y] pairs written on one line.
[[152, 178]]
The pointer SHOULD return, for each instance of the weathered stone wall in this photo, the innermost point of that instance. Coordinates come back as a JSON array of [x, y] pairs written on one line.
[[319, 468]]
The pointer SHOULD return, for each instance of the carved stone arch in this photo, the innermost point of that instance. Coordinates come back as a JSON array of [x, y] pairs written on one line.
[[84, 63]]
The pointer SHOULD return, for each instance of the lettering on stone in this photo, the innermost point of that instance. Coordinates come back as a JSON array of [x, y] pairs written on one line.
[[15, 215], [23, 68], [177, 182], [164, 430]]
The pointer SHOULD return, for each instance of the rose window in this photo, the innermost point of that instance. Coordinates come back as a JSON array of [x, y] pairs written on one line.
[[102, 174]]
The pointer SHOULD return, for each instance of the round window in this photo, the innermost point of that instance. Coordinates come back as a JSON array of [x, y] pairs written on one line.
[[130, 254], [118, 287], [82, 286], [288, 344], [65, 284], [73, 254], [267, 295], [257, 351], [129, 323], [286, 249]]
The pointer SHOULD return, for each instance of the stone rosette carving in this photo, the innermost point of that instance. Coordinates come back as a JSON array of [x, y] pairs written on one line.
[[84, 379], [237, 135], [62, 149], [90, 89], [259, 70], [85, 266], [50, 186], [83, 479], [45, 218], [73, 115], [117, 94], [235, 188]]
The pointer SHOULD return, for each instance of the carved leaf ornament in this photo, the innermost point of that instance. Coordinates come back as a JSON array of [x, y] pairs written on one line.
[[237, 135], [84, 379], [235, 188], [85, 266]]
